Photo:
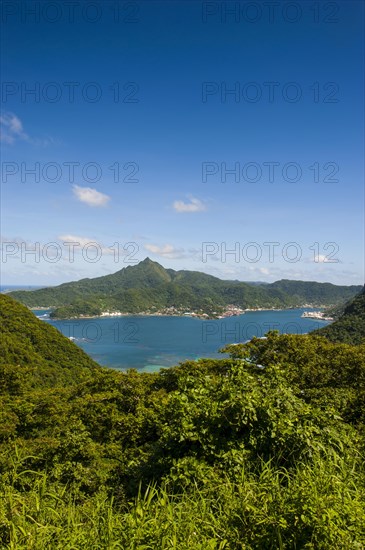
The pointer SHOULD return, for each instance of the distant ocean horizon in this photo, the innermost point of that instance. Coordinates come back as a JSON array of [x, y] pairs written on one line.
[[148, 343]]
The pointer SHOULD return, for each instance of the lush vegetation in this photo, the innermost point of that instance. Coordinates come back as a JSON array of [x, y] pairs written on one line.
[[35, 353], [148, 287], [263, 449], [350, 325]]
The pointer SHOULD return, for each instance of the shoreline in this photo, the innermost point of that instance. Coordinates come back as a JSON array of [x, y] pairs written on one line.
[[201, 316]]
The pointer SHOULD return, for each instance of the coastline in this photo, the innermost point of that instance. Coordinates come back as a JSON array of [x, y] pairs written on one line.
[[203, 316]]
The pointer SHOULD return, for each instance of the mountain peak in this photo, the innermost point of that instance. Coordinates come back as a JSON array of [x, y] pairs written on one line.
[[147, 262]]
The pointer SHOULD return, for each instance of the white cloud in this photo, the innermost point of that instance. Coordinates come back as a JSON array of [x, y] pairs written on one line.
[[325, 259], [77, 243], [195, 205], [11, 128], [166, 251], [82, 241], [90, 196], [318, 258]]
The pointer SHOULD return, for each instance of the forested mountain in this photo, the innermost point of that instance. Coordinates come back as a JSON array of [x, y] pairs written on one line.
[[260, 449], [313, 292], [149, 286], [35, 351], [350, 326]]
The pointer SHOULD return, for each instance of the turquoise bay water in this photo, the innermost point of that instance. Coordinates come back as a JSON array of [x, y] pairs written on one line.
[[149, 343]]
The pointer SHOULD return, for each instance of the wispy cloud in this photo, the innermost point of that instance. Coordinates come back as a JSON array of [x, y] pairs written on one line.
[[90, 196], [324, 259], [11, 131], [11, 128], [166, 251], [81, 241], [319, 258], [194, 205]]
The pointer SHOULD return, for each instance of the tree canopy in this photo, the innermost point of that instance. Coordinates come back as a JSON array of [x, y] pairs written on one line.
[[263, 448]]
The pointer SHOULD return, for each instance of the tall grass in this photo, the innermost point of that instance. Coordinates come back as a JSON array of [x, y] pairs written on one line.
[[316, 507]]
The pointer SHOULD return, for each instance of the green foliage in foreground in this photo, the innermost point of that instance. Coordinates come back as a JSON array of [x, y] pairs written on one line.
[[318, 507], [212, 454], [323, 374]]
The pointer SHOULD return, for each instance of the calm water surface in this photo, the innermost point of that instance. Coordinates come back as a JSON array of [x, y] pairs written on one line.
[[149, 343]]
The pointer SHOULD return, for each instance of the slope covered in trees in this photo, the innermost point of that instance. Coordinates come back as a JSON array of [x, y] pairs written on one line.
[[260, 449], [36, 352], [350, 326], [313, 292], [149, 286]]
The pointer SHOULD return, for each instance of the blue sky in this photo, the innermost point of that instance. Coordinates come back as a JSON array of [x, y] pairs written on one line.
[[174, 93]]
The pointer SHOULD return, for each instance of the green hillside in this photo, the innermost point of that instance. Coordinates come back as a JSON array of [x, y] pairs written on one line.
[[318, 293], [211, 454], [148, 286], [350, 326], [36, 351]]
